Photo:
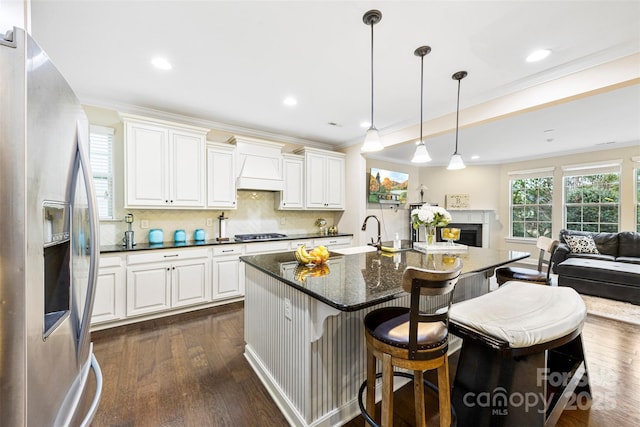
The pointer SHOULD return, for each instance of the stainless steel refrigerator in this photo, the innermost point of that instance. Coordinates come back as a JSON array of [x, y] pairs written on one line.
[[48, 244]]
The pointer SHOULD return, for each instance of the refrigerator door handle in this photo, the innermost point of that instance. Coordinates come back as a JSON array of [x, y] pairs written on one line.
[[94, 238], [98, 393]]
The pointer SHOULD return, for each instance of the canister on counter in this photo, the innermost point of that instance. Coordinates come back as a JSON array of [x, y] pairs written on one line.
[[180, 236], [156, 235], [198, 235]]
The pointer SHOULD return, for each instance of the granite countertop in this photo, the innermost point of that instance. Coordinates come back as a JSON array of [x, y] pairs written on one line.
[[353, 282], [210, 242]]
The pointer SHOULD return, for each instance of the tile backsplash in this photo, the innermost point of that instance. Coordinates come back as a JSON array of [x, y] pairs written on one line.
[[256, 213]]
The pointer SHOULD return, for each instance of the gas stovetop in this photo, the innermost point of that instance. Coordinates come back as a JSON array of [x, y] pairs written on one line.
[[258, 236]]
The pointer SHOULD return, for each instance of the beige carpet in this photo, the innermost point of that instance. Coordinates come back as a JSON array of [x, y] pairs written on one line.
[[612, 309]]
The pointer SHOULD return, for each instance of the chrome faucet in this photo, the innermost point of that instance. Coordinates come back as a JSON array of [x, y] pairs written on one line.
[[377, 244]]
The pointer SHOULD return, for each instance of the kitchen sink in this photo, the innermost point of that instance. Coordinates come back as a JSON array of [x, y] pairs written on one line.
[[354, 250]]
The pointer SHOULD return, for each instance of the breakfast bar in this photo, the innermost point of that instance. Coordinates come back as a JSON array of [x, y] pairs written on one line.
[[303, 325]]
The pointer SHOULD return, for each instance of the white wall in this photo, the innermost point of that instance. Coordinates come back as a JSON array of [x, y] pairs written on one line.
[[481, 183], [14, 13]]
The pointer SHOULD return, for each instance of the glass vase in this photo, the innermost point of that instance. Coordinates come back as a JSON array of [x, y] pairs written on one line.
[[430, 231]]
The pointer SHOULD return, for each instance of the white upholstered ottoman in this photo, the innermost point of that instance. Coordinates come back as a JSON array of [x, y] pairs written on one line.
[[521, 358]]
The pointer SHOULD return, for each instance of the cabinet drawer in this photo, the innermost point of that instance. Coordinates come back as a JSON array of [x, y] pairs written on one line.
[[227, 250], [296, 243], [166, 255], [333, 241], [256, 248], [111, 261]]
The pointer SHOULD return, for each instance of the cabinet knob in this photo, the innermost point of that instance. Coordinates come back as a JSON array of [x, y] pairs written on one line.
[[168, 269]]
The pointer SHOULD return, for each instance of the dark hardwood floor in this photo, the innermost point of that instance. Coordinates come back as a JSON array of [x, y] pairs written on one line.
[[189, 370]]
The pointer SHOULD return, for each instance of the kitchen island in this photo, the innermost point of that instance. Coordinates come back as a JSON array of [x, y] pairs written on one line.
[[303, 326]]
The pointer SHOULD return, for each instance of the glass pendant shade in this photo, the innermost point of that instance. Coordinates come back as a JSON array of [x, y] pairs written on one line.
[[456, 162], [421, 155], [372, 141]]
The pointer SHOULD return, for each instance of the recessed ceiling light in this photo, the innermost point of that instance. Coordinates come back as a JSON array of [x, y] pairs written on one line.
[[538, 55], [290, 101], [161, 63], [365, 125], [475, 157]]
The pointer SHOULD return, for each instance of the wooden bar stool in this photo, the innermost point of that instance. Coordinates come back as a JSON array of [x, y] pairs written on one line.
[[522, 357], [412, 339], [547, 246]]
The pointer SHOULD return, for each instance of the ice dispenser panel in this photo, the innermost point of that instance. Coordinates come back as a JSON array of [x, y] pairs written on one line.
[[57, 266]]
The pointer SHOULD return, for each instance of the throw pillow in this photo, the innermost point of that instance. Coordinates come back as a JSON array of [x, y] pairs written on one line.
[[582, 244]]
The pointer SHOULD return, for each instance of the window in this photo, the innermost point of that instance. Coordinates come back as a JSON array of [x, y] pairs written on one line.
[[592, 198], [531, 203], [101, 156]]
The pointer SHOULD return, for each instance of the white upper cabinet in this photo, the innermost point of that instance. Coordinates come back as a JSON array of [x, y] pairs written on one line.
[[164, 164], [221, 176], [324, 179], [292, 196]]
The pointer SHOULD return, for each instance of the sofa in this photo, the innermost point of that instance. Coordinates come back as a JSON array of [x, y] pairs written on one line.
[[600, 264]]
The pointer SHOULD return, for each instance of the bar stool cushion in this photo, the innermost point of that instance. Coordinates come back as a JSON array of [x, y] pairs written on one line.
[[522, 314], [391, 326]]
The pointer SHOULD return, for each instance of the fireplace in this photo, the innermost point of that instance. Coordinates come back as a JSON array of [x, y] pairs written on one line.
[[473, 224], [470, 234]]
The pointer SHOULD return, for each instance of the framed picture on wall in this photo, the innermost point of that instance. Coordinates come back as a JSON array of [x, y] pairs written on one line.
[[387, 186], [456, 201]]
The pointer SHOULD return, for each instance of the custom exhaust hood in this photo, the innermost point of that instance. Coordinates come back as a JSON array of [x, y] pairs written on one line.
[[258, 164]]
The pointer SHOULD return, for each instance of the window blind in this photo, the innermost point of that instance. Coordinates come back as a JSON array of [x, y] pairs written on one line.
[[101, 157]]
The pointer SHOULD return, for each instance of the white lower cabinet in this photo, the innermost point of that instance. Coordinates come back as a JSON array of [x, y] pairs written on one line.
[[109, 302], [161, 280], [147, 284], [190, 282], [148, 288], [228, 272]]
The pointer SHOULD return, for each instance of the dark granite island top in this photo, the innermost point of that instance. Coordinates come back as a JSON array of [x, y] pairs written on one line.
[[354, 282], [303, 326]]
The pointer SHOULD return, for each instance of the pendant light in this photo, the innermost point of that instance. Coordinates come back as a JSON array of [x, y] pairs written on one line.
[[421, 155], [372, 139], [456, 159]]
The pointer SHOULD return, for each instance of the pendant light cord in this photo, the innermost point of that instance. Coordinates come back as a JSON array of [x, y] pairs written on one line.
[[457, 116], [421, 91], [372, 126]]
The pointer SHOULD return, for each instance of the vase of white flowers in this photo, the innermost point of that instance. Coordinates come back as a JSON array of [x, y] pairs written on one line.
[[431, 217]]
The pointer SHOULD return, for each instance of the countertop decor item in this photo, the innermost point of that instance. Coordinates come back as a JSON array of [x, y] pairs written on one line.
[[128, 240], [180, 236], [156, 235], [222, 228], [431, 217], [322, 224], [198, 235]]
